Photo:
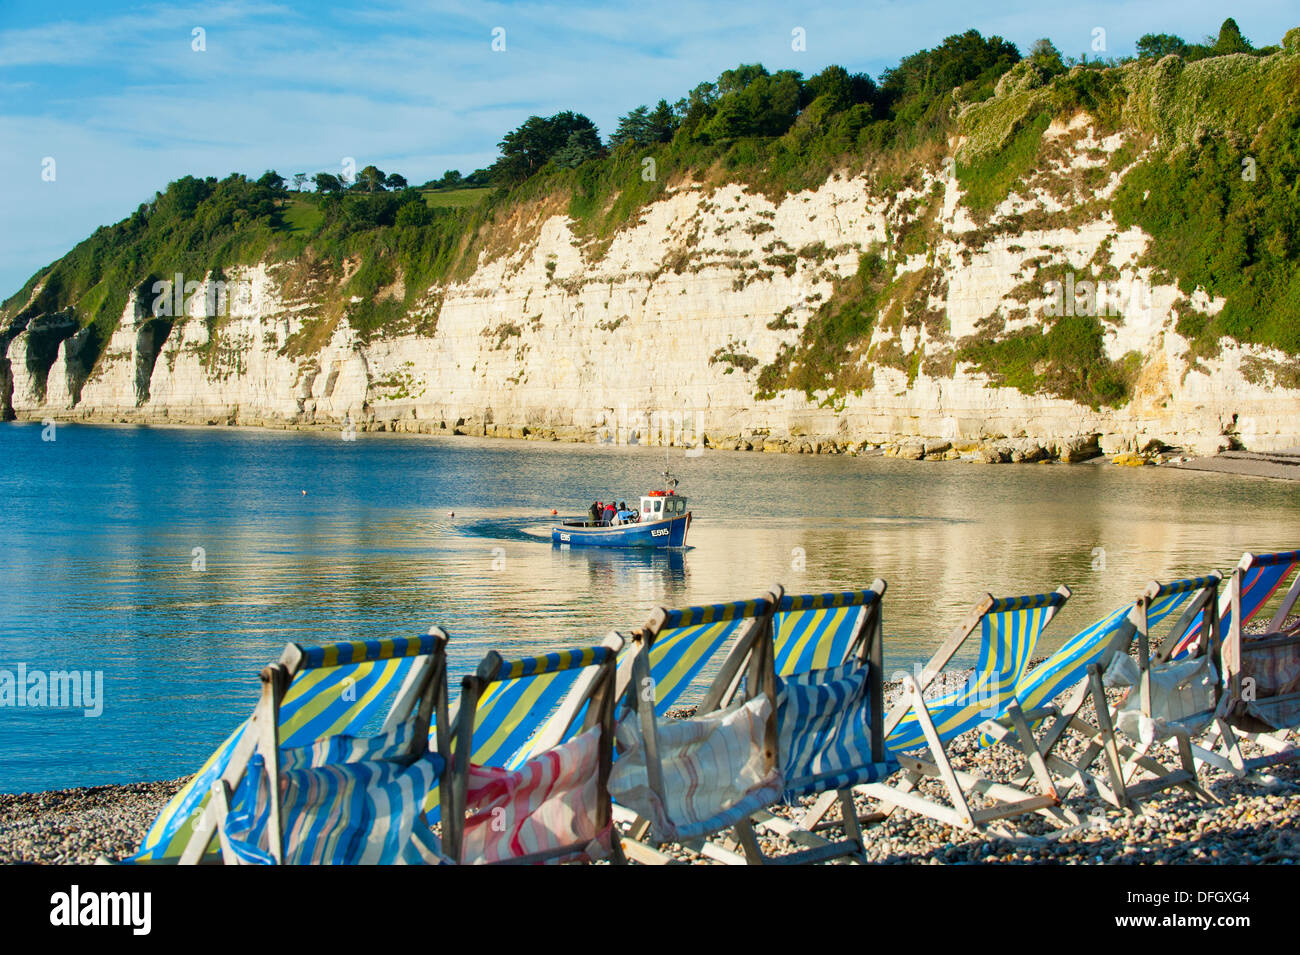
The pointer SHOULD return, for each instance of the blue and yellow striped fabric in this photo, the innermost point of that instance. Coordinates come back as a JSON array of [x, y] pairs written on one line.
[[689, 639], [813, 631], [336, 813], [1264, 575], [518, 706], [1068, 665], [338, 689], [1009, 632], [514, 711]]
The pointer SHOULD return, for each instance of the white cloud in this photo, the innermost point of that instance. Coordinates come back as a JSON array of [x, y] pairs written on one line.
[[125, 105]]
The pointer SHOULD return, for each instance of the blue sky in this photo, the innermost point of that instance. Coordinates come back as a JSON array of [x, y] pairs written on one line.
[[117, 96]]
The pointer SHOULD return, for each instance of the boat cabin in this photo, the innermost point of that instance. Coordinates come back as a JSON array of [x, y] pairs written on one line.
[[661, 505]]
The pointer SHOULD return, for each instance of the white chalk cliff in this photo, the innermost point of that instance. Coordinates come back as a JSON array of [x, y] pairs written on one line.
[[556, 339]]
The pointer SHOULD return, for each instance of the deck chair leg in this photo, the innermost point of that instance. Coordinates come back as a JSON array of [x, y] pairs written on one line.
[[941, 760], [817, 811], [1188, 761], [1231, 746], [1033, 756], [1110, 751], [849, 812], [220, 803], [908, 783], [748, 840]]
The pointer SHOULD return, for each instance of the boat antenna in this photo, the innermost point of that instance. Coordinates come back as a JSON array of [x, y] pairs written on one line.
[[670, 482]]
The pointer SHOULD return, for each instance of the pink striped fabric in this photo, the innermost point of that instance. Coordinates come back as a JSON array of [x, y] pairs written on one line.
[[548, 802]]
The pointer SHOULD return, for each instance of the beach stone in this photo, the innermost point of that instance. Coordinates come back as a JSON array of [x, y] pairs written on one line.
[[1112, 444], [911, 450], [1080, 447]]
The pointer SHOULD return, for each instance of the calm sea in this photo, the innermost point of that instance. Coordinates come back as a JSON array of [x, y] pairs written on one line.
[[309, 538]]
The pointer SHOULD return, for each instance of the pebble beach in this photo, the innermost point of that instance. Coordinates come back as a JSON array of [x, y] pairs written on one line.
[[1257, 821]]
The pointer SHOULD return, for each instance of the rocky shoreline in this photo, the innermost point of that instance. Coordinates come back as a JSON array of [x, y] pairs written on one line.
[[992, 449]]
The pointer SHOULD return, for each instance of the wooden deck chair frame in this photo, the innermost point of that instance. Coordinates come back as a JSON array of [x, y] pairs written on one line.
[[1223, 749], [1009, 800], [1009, 730], [423, 693], [750, 660], [866, 644], [592, 697], [1122, 760], [644, 638], [1065, 717]]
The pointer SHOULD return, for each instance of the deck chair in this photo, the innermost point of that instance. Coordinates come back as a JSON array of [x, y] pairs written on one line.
[[1168, 700], [512, 714], [353, 685], [554, 806], [918, 731], [1066, 670], [1261, 673], [830, 702], [293, 792], [1261, 576], [684, 780]]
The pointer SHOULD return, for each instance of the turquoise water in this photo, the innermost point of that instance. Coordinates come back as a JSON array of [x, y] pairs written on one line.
[[100, 526]]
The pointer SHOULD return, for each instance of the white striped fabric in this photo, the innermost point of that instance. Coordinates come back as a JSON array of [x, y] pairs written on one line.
[[825, 731], [549, 802], [713, 771]]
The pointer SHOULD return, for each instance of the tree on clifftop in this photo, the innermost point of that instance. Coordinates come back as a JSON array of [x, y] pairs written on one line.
[[528, 148], [1230, 40], [1156, 45]]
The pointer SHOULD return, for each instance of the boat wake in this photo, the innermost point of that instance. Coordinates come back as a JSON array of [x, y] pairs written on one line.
[[529, 529]]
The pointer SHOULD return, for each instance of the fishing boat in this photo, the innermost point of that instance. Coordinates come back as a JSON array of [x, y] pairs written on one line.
[[662, 521]]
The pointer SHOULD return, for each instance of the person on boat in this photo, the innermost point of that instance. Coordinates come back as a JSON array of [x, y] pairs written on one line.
[[608, 515], [596, 508], [624, 515]]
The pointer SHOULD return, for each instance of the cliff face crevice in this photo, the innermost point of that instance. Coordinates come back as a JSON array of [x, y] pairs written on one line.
[[711, 298]]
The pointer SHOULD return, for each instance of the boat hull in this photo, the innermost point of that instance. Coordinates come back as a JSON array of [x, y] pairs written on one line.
[[658, 534]]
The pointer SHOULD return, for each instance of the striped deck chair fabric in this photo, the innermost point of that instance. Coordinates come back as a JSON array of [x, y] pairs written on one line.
[[1262, 575], [334, 812], [689, 778], [686, 640], [338, 691], [816, 631], [1069, 665], [824, 707], [550, 801], [544, 798], [1009, 631], [824, 718], [515, 712], [713, 771]]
